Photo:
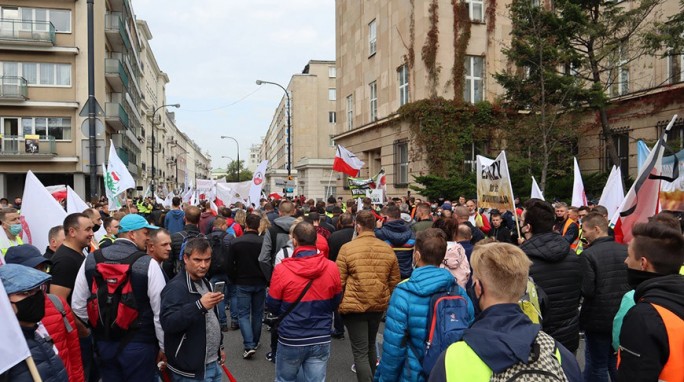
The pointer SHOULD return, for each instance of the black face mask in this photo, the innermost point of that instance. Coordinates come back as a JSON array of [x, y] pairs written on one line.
[[636, 277], [31, 309], [470, 289], [96, 227]]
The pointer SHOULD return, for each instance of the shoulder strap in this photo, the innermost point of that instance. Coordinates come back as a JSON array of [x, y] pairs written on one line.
[[294, 304], [286, 253], [60, 307]]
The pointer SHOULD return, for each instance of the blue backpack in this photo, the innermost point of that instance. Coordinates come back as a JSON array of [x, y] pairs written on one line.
[[449, 315]]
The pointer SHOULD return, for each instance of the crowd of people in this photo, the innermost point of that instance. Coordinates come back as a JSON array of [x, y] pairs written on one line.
[[465, 294]]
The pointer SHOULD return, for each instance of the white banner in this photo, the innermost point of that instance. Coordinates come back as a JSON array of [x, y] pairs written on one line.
[[494, 183], [13, 348], [536, 191], [257, 184], [613, 194], [39, 212], [117, 178], [579, 198]]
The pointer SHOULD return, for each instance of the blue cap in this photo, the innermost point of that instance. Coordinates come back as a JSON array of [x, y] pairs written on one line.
[[446, 206], [18, 278], [25, 254], [134, 222]]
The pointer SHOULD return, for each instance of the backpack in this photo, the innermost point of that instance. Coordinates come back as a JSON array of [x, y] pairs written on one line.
[[186, 235], [274, 231], [112, 308], [529, 303], [448, 317], [218, 254], [57, 302], [544, 364]]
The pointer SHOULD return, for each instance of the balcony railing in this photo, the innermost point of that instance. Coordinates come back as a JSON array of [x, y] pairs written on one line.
[[116, 74], [12, 87], [42, 32], [17, 145], [116, 30], [116, 115]]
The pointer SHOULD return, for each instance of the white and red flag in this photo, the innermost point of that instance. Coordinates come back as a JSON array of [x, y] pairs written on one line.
[[347, 162], [579, 198], [39, 212]]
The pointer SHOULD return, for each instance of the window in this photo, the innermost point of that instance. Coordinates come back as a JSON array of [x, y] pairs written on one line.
[[372, 38], [621, 142], [331, 141], [57, 127], [350, 111], [619, 84], [60, 19], [332, 94], [43, 74], [332, 117], [475, 10], [675, 68], [470, 152], [402, 73], [332, 71], [474, 79], [373, 88], [401, 163]]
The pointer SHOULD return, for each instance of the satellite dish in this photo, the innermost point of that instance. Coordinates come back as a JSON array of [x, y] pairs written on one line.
[[99, 128]]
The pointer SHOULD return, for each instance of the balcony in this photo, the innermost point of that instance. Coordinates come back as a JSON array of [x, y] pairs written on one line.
[[115, 30], [27, 32], [116, 116], [21, 148], [13, 88], [116, 75]]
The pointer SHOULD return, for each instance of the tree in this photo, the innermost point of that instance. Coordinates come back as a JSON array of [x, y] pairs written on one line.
[[232, 171]]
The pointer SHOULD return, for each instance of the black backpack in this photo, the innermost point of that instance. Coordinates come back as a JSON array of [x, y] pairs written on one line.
[[274, 231], [219, 254]]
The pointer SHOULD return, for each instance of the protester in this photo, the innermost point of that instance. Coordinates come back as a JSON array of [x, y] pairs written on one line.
[[455, 258], [399, 236], [604, 282], [498, 230], [189, 317], [476, 218], [131, 354], [566, 226], [250, 283], [111, 226], [406, 328], [342, 235], [174, 219], [159, 247], [190, 230], [94, 216], [67, 260], [556, 270], [651, 337], [423, 218], [11, 223], [369, 273], [55, 240], [304, 332], [503, 340], [22, 285], [206, 218], [462, 215], [276, 237]]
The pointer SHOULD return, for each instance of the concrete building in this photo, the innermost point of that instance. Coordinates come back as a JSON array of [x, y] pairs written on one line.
[[253, 159], [380, 67], [44, 87], [313, 120]]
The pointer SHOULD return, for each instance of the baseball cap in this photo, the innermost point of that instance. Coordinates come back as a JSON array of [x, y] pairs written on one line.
[[20, 278], [25, 254], [133, 222], [446, 206]]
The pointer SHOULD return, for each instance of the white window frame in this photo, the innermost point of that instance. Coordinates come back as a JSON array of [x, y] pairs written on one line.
[[372, 37], [332, 117], [472, 6], [350, 111], [621, 84], [471, 79], [401, 176], [673, 77], [55, 66], [48, 12], [47, 127], [403, 75], [373, 100], [332, 94], [332, 71]]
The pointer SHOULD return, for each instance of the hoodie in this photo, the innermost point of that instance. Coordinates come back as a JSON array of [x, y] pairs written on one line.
[[644, 341], [275, 238], [206, 221], [173, 221], [310, 321], [557, 271], [401, 238]]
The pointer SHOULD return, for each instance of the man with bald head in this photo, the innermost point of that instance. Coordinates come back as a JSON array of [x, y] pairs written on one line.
[[159, 247], [462, 215]]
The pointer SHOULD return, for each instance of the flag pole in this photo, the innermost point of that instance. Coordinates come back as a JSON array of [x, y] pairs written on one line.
[[330, 180], [33, 369]]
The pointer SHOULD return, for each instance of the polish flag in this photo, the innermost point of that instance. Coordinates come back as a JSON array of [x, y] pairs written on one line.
[[347, 162], [579, 198]]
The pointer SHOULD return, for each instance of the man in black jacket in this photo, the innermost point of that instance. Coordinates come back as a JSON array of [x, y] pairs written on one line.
[[499, 231], [462, 215], [190, 230], [337, 240], [556, 269], [250, 283], [189, 317], [604, 282], [651, 339]]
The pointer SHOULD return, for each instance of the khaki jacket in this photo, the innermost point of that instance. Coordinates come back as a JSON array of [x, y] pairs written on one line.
[[369, 271]]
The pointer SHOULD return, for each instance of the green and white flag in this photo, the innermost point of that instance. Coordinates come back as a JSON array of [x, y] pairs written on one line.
[[117, 178]]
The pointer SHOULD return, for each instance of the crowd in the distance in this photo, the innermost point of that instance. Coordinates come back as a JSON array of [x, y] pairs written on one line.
[[465, 294]]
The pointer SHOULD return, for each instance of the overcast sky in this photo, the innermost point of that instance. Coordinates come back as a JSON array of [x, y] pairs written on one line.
[[215, 50]]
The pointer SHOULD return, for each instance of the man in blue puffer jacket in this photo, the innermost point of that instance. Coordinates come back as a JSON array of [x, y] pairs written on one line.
[[408, 310], [398, 234]]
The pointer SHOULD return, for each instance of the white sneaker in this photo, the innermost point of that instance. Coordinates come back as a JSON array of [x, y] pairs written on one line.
[[353, 368]]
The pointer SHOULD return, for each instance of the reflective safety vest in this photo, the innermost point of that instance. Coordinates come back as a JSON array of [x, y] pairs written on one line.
[[18, 242], [568, 222], [674, 325], [461, 363], [580, 245]]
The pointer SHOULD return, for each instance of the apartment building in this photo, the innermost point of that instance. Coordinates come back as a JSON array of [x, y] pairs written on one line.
[[253, 159], [44, 89], [313, 117], [376, 75]]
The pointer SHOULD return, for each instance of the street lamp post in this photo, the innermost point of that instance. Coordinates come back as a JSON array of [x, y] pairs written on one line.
[[289, 127], [228, 165], [238, 154], [154, 114]]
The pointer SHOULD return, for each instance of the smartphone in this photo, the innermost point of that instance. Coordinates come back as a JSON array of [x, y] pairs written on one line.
[[219, 285]]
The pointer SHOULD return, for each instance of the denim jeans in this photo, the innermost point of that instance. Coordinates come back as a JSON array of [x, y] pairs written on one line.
[[135, 362], [222, 305], [250, 302], [232, 295], [600, 359], [362, 329], [310, 362], [212, 373]]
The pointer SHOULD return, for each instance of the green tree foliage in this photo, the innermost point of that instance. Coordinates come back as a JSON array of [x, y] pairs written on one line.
[[233, 169], [667, 37], [436, 187]]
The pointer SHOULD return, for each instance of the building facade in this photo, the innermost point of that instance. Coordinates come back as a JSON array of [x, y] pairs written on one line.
[[313, 119]]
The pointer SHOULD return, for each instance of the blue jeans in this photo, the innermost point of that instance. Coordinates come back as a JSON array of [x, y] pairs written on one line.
[[250, 302], [222, 305], [212, 373], [135, 362], [310, 362], [232, 295], [600, 359]]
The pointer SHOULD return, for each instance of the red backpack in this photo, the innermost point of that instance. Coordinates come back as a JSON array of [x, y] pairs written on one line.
[[112, 309]]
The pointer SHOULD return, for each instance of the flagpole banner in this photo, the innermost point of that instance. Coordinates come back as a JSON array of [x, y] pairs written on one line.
[[257, 183], [13, 347], [536, 191], [346, 162], [358, 186], [494, 183], [579, 198], [613, 194], [642, 153], [76, 204], [206, 188], [117, 178], [39, 212]]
